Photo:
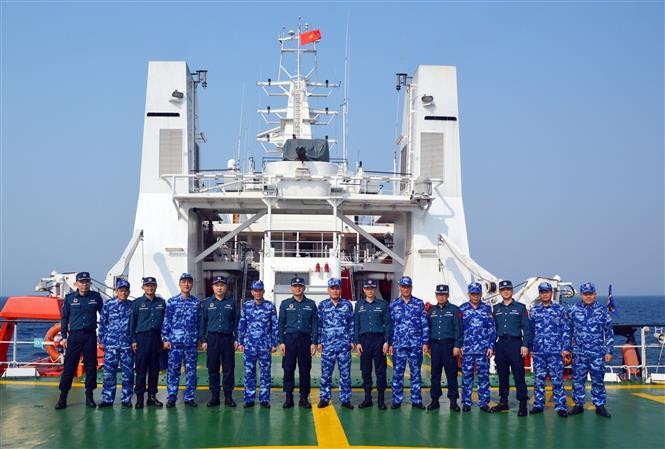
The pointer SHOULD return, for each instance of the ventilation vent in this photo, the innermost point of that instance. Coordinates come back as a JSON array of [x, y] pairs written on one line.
[[170, 151]]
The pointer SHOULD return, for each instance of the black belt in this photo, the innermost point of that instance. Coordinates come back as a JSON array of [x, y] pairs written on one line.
[[509, 337], [82, 331], [371, 333], [219, 333], [150, 331], [443, 340]]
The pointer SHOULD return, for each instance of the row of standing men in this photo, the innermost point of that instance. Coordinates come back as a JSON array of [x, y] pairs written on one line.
[[133, 334]]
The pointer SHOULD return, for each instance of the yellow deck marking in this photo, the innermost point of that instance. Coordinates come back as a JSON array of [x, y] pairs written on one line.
[[328, 428], [652, 397]]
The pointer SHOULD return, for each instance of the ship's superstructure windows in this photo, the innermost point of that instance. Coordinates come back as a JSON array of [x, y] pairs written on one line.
[[170, 151], [431, 153]]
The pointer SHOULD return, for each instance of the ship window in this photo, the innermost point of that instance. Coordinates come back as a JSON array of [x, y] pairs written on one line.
[[170, 151], [431, 155], [284, 278]]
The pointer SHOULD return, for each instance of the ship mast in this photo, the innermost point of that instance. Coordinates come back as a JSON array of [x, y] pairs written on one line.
[[295, 82]]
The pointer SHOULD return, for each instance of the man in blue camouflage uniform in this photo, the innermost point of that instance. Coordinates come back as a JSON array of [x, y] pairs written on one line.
[[551, 337], [219, 323], [514, 339], [298, 330], [409, 342], [335, 320], [78, 323], [592, 340], [372, 334], [257, 338], [114, 340], [446, 336], [477, 348], [180, 334], [145, 329]]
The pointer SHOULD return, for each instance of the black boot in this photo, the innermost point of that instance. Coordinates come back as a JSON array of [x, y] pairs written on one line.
[[522, 410], [62, 401], [304, 402], [228, 399], [139, 401], [602, 411], [214, 399], [152, 400], [88, 399], [501, 406], [578, 409], [367, 402], [288, 403], [434, 405], [453, 405], [382, 400]]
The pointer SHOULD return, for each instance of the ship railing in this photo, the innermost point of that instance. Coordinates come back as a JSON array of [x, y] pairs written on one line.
[[371, 183], [36, 342]]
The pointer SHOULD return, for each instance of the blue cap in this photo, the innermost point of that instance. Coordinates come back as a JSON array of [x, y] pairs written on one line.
[[149, 280], [216, 279], [505, 284], [545, 287], [298, 281], [405, 281], [258, 285], [186, 276], [82, 276], [369, 283], [587, 287], [334, 283], [121, 283], [475, 287], [442, 289]]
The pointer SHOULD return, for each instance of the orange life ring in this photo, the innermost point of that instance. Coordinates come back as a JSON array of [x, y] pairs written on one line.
[[54, 336], [630, 359]]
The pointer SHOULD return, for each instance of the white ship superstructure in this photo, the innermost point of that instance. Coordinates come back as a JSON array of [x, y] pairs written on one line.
[[299, 211]]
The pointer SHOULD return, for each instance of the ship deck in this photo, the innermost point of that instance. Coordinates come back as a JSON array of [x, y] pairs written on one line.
[[29, 420]]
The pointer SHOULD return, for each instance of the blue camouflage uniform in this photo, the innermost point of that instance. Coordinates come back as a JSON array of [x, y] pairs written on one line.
[[551, 335], [114, 335], [335, 334], [181, 329], [479, 336], [592, 338], [257, 332], [410, 333]]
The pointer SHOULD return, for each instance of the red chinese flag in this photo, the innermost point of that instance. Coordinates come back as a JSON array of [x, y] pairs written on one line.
[[310, 36]]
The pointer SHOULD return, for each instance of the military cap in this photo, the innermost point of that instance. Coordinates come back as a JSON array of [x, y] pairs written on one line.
[[442, 289]]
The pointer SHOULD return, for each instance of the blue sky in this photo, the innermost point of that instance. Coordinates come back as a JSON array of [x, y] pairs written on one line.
[[561, 121]]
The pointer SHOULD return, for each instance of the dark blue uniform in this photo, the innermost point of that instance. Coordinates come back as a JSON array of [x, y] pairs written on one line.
[[446, 333], [372, 328], [219, 324], [298, 327], [513, 331], [145, 328], [78, 323]]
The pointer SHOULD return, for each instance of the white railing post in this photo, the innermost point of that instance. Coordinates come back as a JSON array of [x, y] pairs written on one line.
[[14, 365], [643, 335]]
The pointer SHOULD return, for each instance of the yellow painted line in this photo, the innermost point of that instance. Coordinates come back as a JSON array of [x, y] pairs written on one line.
[[652, 397], [329, 430]]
